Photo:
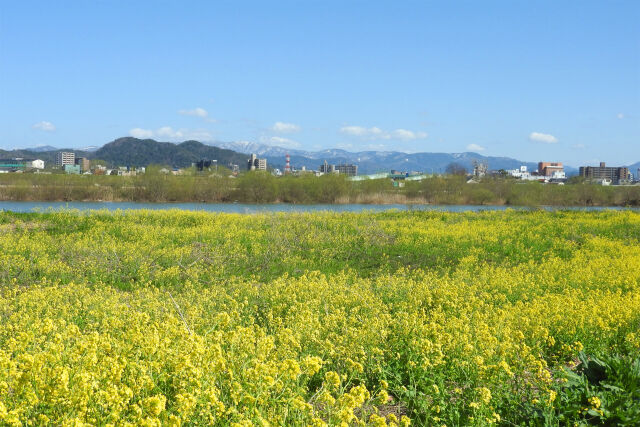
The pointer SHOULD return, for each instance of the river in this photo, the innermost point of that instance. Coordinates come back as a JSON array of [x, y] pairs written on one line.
[[260, 208]]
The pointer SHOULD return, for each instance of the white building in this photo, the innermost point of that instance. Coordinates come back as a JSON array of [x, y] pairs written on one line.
[[523, 174], [36, 164]]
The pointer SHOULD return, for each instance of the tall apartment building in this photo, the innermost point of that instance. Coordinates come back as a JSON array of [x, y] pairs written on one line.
[[549, 168], [65, 158], [615, 175], [255, 163]]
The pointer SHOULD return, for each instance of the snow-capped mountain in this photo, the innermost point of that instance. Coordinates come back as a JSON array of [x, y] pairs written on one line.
[[370, 161], [90, 148], [264, 150], [41, 148]]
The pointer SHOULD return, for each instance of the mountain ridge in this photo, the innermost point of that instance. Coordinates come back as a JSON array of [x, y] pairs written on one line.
[[129, 151]]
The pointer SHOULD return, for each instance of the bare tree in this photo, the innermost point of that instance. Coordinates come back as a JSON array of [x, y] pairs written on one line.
[[455, 169]]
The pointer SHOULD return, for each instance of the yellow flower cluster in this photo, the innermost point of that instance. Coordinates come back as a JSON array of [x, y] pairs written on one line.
[[172, 318]]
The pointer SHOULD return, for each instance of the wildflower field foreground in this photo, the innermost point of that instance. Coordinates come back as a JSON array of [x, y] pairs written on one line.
[[394, 318]]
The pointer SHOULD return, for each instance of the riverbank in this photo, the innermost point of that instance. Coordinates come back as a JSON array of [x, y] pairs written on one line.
[[329, 189]]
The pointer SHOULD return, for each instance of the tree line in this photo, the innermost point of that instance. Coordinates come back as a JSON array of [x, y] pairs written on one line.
[[262, 187]]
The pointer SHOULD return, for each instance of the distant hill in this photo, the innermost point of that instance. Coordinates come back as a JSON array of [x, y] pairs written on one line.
[[131, 151], [48, 156], [41, 148], [142, 152], [634, 168]]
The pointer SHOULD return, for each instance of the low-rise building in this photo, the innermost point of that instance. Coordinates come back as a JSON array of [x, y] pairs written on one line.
[[19, 164], [12, 165], [72, 169], [523, 174]]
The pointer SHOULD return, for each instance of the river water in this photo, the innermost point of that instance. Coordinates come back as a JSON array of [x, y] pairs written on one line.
[[259, 208]]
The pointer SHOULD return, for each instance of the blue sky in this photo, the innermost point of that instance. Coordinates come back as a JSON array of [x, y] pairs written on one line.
[[531, 80]]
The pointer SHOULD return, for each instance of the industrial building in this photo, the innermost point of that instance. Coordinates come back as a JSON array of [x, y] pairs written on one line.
[[255, 163], [615, 175], [327, 168], [480, 169], [65, 158], [345, 169]]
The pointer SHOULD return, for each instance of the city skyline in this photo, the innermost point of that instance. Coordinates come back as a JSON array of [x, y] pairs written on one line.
[[550, 81]]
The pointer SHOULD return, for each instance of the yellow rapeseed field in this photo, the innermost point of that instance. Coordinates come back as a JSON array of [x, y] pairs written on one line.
[[396, 318]]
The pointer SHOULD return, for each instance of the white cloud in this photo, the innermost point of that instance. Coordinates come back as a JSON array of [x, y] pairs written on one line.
[[141, 133], [46, 126], [169, 134], [377, 133], [545, 138], [361, 131], [277, 140], [197, 112], [475, 147], [282, 127], [343, 146], [376, 147], [407, 135], [620, 116]]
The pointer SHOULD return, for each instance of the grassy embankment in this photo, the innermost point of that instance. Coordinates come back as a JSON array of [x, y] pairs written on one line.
[[514, 318], [264, 188]]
